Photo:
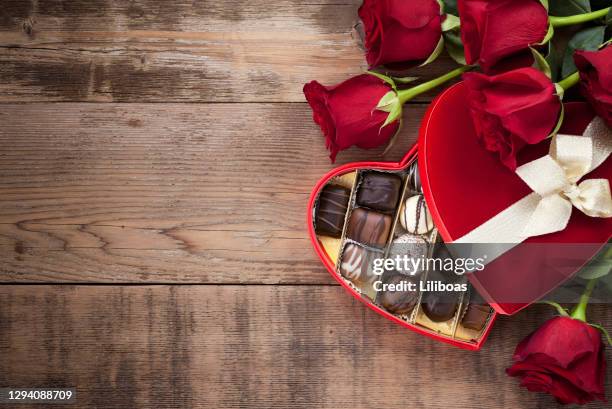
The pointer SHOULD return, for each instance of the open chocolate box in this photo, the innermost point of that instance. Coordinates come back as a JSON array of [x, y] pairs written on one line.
[[362, 213]]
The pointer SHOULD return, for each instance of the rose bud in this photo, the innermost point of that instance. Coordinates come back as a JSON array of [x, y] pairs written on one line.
[[595, 68], [512, 109], [347, 113], [496, 34], [400, 31], [565, 358]]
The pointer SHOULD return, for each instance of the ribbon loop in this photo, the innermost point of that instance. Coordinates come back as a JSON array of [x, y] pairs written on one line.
[[557, 189]]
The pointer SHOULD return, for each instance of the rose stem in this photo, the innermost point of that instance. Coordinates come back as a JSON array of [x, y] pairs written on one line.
[[407, 94], [578, 18], [569, 81], [579, 312]]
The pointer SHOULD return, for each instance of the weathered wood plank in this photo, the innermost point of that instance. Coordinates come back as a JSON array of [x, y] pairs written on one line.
[[247, 347], [209, 193], [151, 51]]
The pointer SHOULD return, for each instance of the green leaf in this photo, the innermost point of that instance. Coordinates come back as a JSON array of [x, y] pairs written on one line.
[[540, 62], [387, 102], [394, 114], [563, 8], [562, 311], [436, 52], [561, 116], [450, 7], [454, 47], [383, 77], [451, 22], [587, 39], [545, 4], [603, 331], [609, 19], [549, 34]]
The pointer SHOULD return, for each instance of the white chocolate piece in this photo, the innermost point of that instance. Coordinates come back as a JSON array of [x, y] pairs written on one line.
[[415, 217]]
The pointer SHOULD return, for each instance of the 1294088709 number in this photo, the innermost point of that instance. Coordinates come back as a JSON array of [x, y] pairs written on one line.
[[37, 395]]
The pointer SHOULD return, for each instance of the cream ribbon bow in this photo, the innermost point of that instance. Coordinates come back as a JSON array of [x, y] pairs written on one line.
[[554, 180], [555, 177]]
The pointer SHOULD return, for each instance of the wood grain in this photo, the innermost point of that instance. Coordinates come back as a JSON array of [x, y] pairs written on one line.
[[247, 347], [181, 51], [209, 193]]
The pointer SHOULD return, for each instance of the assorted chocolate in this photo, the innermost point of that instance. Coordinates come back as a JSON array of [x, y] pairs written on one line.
[[414, 215], [379, 191], [369, 227], [356, 266], [400, 292], [476, 316], [367, 215], [331, 210]]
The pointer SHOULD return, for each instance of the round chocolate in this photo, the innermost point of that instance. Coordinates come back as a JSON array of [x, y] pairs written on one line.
[[399, 302], [414, 215], [409, 244]]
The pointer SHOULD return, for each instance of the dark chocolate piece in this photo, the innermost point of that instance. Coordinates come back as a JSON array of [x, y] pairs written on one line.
[[440, 306], [356, 266], [379, 191], [331, 210], [476, 316], [399, 302], [369, 227]]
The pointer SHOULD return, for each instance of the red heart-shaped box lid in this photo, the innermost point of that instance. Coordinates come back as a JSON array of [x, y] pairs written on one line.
[[465, 185]]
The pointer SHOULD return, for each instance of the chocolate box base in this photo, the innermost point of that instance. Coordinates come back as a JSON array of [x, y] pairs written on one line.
[[330, 253]]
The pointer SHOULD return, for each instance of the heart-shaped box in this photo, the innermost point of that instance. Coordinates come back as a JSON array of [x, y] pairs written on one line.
[[448, 156], [330, 251]]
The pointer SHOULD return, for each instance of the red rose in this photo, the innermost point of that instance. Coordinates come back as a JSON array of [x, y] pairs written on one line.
[[512, 109], [564, 357], [400, 30], [493, 30], [595, 69], [347, 112]]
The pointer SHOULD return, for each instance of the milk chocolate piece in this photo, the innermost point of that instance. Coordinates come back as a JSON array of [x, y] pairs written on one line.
[[476, 316], [379, 191], [331, 210], [440, 306], [356, 265], [401, 301], [369, 227]]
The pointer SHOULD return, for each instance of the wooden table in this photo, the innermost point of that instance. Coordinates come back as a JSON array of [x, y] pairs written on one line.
[[155, 163]]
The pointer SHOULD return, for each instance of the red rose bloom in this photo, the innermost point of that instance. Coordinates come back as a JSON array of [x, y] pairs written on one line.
[[596, 80], [511, 110], [565, 358], [347, 113], [493, 30], [399, 30]]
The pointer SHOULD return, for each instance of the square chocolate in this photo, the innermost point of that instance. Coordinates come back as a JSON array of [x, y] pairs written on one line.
[[379, 191], [331, 210], [356, 265], [369, 227]]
